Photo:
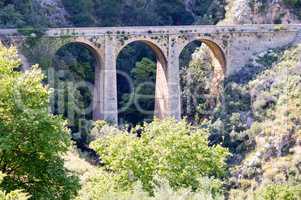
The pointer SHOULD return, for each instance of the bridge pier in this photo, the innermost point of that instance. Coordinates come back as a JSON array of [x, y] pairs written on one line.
[[110, 111], [98, 92], [173, 73]]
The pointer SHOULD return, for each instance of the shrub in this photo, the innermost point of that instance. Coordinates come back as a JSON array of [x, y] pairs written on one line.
[[102, 185], [279, 192], [13, 195]]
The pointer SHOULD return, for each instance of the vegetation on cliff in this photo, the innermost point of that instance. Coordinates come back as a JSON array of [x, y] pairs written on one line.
[[273, 167]]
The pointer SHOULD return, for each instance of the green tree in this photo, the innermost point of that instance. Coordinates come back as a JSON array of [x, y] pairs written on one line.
[[31, 140], [9, 17], [77, 65], [22, 13], [81, 11], [144, 76], [101, 185], [172, 150], [196, 84], [172, 12]]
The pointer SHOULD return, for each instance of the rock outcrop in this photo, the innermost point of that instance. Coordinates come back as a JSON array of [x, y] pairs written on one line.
[[259, 12]]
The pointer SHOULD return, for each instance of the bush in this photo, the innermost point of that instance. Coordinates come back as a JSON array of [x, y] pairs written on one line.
[[102, 185], [174, 151], [14, 195], [280, 192]]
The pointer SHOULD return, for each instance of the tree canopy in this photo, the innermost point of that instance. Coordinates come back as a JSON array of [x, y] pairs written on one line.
[[32, 141]]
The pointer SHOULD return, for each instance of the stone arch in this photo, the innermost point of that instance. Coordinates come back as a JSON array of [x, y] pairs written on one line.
[[98, 90], [158, 48], [215, 47], [161, 93], [218, 55], [218, 61]]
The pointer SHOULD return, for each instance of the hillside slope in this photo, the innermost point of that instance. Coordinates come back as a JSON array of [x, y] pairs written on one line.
[[55, 12], [276, 128], [262, 12]]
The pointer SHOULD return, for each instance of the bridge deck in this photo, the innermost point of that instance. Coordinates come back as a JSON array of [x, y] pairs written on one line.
[[152, 30]]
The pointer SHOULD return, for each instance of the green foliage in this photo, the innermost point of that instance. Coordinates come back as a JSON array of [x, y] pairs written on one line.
[[102, 185], [9, 17], [280, 192], [293, 3], [271, 56], [13, 195], [232, 122], [101, 128], [144, 70], [196, 83], [174, 151], [268, 98], [276, 111], [70, 74], [15, 13], [80, 11], [173, 12], [75, 64], [32, 32], [260, 5], [144, 75], [142, 12], [32, 141]]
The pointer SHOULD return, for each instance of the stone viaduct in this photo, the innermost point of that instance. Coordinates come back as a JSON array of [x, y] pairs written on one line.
[[231, 46]]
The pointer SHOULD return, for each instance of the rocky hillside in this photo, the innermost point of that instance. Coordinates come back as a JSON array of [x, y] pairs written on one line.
[[272, 138], [58, 13], [262, 12], [55, 12], [260, 123], [275, 127]]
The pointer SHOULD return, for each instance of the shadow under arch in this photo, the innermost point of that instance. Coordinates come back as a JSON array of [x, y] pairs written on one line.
[[96, 88], [161, 82]]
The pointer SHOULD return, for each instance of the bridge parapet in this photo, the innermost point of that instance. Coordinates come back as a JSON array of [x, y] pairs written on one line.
[[170, 30], [153, 30]]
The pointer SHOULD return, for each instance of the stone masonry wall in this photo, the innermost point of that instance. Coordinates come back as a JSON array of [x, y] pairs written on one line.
[[233, 46]]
